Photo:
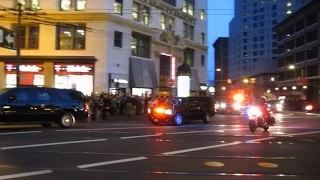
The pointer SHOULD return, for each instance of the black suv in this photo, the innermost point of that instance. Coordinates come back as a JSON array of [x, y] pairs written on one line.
[[180, 110], [42, 106]]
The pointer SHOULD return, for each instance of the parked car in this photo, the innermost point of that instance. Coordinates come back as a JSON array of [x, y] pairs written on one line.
[[35, 105], [180, 110]]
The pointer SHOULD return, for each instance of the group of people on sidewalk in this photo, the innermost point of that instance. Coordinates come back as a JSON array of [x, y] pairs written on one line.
[[104, 106]]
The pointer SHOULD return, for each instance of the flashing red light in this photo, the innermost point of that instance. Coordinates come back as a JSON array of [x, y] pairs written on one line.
[[238, 97]]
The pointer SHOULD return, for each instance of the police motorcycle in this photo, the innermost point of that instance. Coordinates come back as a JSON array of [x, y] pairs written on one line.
[[260, 116]]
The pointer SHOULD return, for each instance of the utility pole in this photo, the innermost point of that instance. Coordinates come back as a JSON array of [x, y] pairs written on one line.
[[18, 40]]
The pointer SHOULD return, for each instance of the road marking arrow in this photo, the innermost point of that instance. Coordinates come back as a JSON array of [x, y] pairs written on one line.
[[9, 39]]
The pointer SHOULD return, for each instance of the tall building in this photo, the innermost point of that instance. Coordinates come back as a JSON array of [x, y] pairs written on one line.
[[299, 50], [252, 42], [112, 46], [221, 64]]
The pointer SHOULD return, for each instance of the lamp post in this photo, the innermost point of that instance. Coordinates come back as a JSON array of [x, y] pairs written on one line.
[[18, 41]]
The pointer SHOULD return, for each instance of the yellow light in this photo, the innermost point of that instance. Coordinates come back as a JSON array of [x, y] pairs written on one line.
[[291, 67], [159, 110], [238, 97], [245, 80]]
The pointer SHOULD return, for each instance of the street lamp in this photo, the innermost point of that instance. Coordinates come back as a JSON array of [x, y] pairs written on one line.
[[224, 88], [218, 69], [246, 81], [291, 67], [272, 79]]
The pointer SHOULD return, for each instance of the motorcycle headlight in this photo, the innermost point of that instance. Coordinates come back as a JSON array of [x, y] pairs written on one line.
[[223, 105], [254, 111]]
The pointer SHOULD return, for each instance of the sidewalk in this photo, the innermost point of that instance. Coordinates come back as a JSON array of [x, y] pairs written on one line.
[[115, 118]]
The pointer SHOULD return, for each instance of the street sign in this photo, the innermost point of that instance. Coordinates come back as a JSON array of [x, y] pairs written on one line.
[[170, 82], [6, 38]]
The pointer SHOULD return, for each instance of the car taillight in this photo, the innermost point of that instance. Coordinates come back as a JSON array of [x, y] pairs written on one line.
[[161, 110]]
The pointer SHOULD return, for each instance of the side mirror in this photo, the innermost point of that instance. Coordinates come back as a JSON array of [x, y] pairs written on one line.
[[12, 98]]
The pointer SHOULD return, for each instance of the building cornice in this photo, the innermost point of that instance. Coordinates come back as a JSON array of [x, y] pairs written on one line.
[[195, 45], [169, 9]]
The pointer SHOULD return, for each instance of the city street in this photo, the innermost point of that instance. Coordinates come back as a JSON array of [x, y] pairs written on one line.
[[132, 148]]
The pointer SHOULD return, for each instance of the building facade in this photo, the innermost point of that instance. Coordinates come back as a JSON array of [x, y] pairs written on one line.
[[298, 59], [252, 42], [221, 65], [110, 46]]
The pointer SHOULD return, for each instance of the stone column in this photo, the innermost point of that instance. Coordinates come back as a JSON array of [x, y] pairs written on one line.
[[2, 75], [48, 72]]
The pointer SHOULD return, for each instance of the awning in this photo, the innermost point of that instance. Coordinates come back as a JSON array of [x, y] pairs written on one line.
[[194, 84], [142, 73]]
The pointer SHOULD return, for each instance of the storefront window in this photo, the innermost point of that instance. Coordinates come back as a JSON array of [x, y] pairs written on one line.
[[30, 74], [141, 91], [74, 76]]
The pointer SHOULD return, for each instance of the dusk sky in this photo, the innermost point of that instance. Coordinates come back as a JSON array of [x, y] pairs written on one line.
[[220, 12]]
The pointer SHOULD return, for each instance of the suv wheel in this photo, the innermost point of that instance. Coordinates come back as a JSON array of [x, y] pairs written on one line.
[[67, 120], [178, 120], [207, 118]]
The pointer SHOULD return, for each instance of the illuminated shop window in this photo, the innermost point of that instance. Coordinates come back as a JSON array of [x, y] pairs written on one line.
[[188, 7], [71, 38], [66, 5], [202, 15], [29, 36], [118, 5], [29, 4]]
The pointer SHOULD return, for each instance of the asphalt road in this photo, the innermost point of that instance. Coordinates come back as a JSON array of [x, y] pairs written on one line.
[[132, 148]]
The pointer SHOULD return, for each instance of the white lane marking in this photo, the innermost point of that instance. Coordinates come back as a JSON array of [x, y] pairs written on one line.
[[111, 162], [24, 132], [204, 131], [298, 134], [101, 129], [142, 136], [232, 144], [51, 144], [261, 139], [200, 148], [175, 133], [34, 173]]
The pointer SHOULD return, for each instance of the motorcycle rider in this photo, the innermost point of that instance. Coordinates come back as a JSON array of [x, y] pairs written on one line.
[[265, 110]]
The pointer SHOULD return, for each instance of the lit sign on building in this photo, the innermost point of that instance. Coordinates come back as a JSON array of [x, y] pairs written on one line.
[[24, 68], [121, 81], [73, 68], [183, 86], [83, 69]]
